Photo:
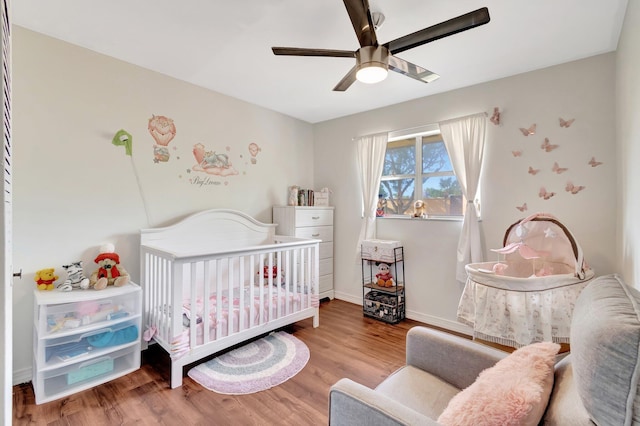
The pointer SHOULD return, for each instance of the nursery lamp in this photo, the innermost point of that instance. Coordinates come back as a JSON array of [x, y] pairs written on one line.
[[372, 64]]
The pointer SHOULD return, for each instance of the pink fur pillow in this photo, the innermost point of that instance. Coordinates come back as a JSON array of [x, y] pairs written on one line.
[[515, 391]]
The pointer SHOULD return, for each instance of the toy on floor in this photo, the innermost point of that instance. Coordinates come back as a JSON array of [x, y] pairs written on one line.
[[110, 272], [75, 278], [45, 279], [384, 276]]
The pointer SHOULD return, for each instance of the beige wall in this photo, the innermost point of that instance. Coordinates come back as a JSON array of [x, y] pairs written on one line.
[[75, 190], [628, 137], [583, 90]]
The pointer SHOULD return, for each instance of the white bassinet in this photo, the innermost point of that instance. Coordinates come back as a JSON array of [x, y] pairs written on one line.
[[529, 294]]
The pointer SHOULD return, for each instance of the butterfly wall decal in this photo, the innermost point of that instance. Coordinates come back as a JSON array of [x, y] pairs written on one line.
[[516, 153], [573, 189], [530, 131], [547, 146], [566, 123], [557, 169], [533, 171], [544, 194], [594, 163], [522, 208], [495, 118]]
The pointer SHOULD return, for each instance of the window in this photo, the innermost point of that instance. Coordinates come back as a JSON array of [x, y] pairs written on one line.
[[417, 167]]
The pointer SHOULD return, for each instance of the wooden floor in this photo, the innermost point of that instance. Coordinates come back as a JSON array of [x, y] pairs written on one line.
[[345, 345]]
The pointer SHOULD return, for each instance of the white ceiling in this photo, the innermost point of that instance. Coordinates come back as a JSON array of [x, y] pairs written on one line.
[[225, 46]]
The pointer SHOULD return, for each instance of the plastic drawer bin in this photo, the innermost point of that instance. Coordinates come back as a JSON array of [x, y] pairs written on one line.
[[81, 374]]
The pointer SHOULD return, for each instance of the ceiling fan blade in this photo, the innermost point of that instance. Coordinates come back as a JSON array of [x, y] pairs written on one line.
[[362, 22], [438, 31], [301, 51], [347, 80], [411, 70]]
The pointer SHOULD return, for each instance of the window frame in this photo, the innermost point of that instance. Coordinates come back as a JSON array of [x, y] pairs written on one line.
[[418, 134]]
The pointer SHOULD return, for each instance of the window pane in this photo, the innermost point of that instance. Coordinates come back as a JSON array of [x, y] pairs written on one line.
[[400, 158], [442, 195], [434, 156], [399, 194]]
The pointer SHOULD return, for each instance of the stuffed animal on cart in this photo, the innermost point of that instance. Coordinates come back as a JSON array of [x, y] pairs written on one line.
[[384, 278], [45, 279], [110, 271], [75, 278], [419, 209]]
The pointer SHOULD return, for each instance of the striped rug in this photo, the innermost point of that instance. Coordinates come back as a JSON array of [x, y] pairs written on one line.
[[254, 367]]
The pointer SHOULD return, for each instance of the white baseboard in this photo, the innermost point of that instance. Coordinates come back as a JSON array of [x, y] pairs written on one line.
[[23, 375], [417, 316]]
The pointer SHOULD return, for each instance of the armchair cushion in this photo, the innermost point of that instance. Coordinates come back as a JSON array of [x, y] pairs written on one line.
[[515, 391], [605, 351], [419, 390]]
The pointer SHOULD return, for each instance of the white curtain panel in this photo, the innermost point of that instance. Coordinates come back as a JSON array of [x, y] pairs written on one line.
[[464, 138], [371, 150]]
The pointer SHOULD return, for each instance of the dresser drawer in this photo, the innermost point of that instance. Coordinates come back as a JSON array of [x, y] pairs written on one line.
[[314, 217], [326, 266], [326, 250], [324, 233], [326, 283]]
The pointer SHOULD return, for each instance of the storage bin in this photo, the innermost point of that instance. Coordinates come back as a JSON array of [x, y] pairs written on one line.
[[383, 306], [83, 375], [382, 250]]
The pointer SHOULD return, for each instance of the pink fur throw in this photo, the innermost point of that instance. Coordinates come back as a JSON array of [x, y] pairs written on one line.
[[515, 391]]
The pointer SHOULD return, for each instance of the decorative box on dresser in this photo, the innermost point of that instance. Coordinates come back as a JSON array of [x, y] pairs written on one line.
[[310, 222], [84, 338]]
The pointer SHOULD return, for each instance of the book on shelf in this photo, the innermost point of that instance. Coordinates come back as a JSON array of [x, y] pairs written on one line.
[[305, 197]]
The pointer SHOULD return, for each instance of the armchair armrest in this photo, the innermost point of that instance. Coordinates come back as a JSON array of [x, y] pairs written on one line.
[[454, 359], [351, 403]]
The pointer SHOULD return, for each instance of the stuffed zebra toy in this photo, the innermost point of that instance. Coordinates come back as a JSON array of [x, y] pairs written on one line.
[[75, 278]]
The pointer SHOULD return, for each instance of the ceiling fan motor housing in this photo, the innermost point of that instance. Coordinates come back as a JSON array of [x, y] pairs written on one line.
[[372, 59]]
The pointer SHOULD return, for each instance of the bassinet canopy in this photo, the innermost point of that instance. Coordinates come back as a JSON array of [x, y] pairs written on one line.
[[528, 294]]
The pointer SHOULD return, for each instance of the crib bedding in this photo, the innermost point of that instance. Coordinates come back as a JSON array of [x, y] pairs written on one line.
[[251, 314], [218, 278]]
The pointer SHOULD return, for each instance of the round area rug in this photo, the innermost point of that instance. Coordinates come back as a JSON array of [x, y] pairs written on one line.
[[254, 367]]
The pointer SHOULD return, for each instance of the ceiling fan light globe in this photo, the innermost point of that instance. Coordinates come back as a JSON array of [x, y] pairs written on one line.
[[371, 73]]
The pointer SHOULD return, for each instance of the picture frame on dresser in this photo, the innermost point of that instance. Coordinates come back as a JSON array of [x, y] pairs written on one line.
[[311, 222]]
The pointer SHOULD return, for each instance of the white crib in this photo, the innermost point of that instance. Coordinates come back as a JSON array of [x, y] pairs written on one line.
[[218, 278]]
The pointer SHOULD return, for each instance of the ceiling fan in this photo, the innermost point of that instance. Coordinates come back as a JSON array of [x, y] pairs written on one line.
[[373, 60]]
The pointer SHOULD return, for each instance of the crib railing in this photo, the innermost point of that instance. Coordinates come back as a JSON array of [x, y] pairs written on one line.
[[226, 293]]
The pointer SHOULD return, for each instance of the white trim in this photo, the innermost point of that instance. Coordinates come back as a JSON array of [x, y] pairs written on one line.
[[23, 375], [416, 316], [427, 130]]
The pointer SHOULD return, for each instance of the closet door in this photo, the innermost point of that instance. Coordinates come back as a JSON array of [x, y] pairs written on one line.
[[6, 264]]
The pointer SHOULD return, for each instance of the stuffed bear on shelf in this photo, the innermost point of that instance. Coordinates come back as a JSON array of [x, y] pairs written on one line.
[[384, 277], [110, 272]]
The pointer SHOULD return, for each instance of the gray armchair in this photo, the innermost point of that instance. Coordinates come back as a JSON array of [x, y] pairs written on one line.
[[598, 383]]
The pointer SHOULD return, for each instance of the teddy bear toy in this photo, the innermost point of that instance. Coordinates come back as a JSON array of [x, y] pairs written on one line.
[[109, 271], [45, 279], [419, 209], [75, 277], [384, 278]]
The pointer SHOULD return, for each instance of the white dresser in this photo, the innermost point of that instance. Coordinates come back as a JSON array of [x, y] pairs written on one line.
[[310, 222]]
